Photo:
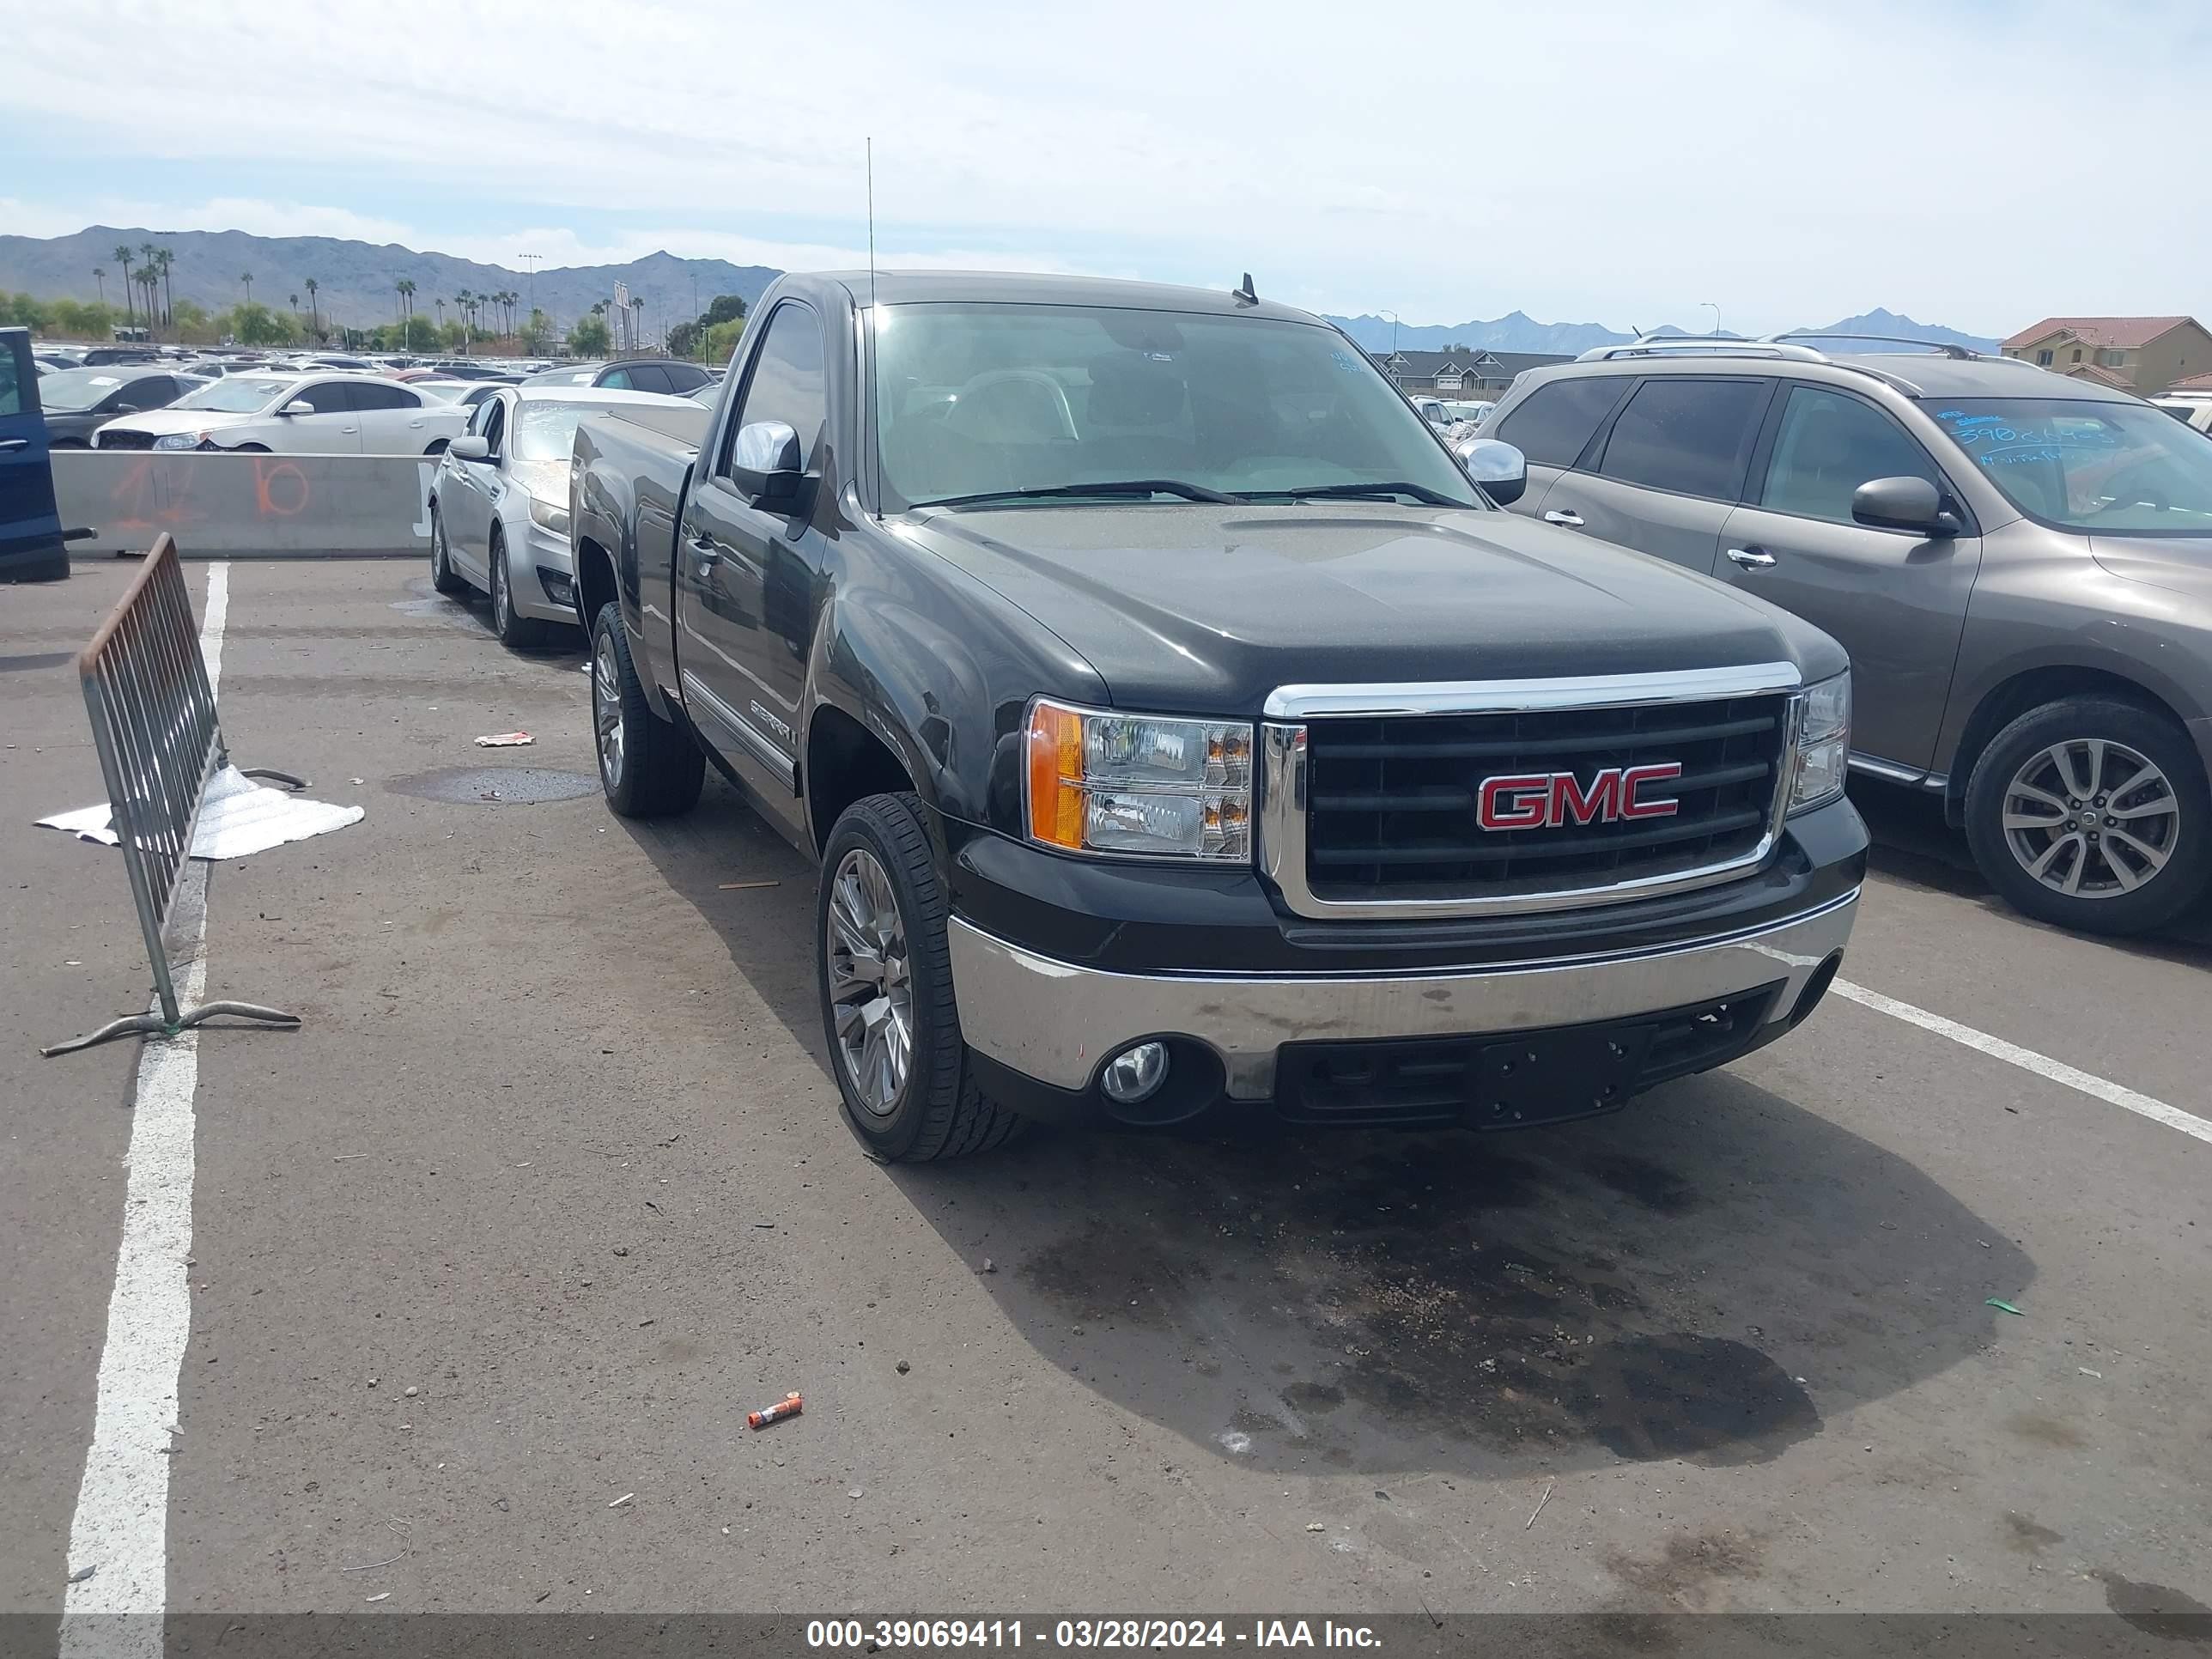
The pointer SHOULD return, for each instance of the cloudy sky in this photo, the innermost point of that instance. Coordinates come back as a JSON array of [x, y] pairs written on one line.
[[1975, 162]]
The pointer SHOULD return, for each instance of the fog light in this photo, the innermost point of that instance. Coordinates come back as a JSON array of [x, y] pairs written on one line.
[[1135, 1074]]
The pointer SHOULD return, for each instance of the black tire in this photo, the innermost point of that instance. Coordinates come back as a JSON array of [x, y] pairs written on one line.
[[443, 576], [516, 631], [938, 1112], [659, 769], [2161, 896]]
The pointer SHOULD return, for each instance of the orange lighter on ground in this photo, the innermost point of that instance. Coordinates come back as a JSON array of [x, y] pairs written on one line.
[[786, 1407]]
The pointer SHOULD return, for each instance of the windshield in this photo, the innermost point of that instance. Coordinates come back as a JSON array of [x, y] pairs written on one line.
[[2112, 467], [547, 431], [983, 399], [235, 394], [70, 389]]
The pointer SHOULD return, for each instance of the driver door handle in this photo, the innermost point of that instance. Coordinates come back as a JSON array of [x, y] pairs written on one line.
[[14, 443], [705, 548], [1751, 558], [1560, 515]]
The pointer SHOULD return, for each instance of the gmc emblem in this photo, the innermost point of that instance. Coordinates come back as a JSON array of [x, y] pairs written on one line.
[[1546, 800]]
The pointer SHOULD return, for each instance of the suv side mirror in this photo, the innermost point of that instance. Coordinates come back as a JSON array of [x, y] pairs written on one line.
[[1498, 467], [766, 466], [1904, 503]]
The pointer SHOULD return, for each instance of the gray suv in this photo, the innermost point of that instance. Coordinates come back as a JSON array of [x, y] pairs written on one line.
[[2020, 565]]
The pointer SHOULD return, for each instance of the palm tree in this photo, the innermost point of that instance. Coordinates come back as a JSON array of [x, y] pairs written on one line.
[[164, 257], [406, 288], [247, 277], [314, 322], [637, 319], [100, 275], [295, 303], [123, 256], [149, 278]]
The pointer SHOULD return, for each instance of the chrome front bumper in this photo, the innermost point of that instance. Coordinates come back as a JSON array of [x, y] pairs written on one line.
[[1056, 1022]]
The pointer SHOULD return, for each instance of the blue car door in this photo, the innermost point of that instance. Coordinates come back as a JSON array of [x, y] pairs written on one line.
[[30, 532]]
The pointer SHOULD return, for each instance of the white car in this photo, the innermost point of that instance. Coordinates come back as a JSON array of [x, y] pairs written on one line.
[[339, 413], [499, 502]]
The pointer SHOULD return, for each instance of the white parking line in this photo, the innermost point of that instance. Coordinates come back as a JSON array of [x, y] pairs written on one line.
[[2057, 1071], [121, 1529]]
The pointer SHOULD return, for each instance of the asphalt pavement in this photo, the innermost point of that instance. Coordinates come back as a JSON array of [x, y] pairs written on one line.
[[489, 1260]]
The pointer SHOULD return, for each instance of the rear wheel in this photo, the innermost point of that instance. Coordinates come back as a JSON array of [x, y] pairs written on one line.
[[513, 628], [887, 1000], [649, 767], [443, 576], [2092, 814]]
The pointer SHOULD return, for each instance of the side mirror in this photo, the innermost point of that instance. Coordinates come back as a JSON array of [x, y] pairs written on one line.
[[470, 448], [127, 409], [766, 465], [297, 406], [1903, 504], [1500, 469]]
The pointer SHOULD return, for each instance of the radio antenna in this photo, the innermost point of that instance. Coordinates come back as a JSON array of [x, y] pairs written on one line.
[[872, 221], [875, 321]]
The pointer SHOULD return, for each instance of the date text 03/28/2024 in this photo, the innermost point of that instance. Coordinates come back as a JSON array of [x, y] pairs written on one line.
[[917, 1635]]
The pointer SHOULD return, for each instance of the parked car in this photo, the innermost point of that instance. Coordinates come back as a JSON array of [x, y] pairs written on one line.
[[2019, 566], [1432, 411], [31, 545], [80, 401], [2193, 411], [641, 374], [462, 394], [499, 502], [1473, 414], [1177, 723], [331, 414]]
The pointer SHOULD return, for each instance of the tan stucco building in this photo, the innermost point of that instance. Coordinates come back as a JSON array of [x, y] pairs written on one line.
[[2140, 354]]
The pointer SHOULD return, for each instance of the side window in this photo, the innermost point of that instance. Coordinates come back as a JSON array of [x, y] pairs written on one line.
[[786, 383], [683, 377], [1691, 436], [494, 415], [480, 420], [1555, 421], [650, 378], [619, 380], [328, 398], [1830, 443], [376, 394], [11, 381]]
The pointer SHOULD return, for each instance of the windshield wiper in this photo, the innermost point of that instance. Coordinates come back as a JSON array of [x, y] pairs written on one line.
[[1363, 492], [1189, 492]]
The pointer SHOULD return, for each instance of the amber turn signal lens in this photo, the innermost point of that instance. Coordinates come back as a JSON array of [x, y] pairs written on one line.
[[1056, 775]]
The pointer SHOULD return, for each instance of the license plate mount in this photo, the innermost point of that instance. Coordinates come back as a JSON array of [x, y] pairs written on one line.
[[1550, 1077]]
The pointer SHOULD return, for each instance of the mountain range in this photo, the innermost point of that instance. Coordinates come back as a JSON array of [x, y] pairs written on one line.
[[1518, 332], [356, 280], [356, 285]]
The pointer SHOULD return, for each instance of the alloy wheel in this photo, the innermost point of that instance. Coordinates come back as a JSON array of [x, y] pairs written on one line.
[[2091, 819], [606, 709], [870, 987], [500, 602]]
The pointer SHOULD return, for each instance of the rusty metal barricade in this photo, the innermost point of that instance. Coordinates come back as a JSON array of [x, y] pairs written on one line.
[[154, 722]]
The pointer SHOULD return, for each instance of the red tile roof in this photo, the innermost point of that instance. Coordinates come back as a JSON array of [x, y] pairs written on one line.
[[2192, 383], [2110, 377], [2111, 333]]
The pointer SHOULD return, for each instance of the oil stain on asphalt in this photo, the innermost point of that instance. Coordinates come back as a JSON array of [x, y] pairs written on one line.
[[1700, 1278]]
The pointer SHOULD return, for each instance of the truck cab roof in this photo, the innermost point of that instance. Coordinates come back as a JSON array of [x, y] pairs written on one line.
[[893, 288]]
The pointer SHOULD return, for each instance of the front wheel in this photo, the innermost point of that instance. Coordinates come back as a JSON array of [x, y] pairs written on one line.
[[2092, 814], [649, 767], [515, 630], [886, 984]]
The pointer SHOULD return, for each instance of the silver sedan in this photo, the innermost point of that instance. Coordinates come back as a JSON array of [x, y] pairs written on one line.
[[499, 504]]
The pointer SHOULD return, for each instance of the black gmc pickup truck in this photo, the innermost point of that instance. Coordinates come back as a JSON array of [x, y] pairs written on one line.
[[1182, 729]]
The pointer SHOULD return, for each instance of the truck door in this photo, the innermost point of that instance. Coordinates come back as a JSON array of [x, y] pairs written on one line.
[[30, 534], [745, 570]]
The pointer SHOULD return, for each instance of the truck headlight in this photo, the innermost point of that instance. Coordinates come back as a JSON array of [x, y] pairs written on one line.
[[178, 441], [547, 515], [1824, 743], [1101, 781]]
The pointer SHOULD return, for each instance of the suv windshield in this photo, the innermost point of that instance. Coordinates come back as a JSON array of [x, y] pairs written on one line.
[[986, 400], [67, 391], [235, 394], [2096, 466]]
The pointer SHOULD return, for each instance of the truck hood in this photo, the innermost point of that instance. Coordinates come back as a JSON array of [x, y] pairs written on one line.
[[1208, 608], [2181, 563]]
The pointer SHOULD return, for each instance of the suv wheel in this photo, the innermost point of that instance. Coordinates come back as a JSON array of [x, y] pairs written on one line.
[[515, 630], [2092, 814], [887, 1002]]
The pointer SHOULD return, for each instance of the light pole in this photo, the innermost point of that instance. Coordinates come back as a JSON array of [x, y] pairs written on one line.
[[1716, 310]]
